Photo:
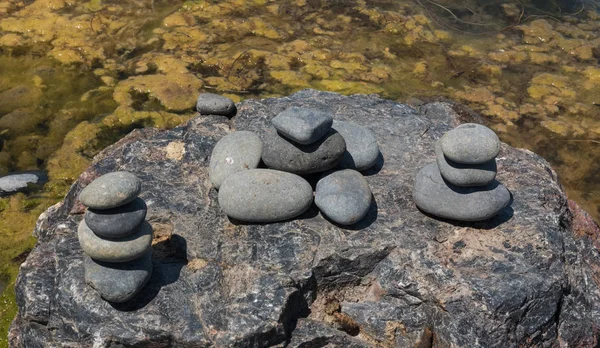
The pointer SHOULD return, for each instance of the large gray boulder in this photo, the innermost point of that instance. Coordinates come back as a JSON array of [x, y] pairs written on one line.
[[528, 277]]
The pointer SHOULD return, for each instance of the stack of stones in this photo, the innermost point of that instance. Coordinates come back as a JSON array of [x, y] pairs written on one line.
[[461, 185], [302, 142], [115, 236]]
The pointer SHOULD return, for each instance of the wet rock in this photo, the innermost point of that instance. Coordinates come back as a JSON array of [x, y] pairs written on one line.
[[361, 146], [434, 196], [233, 153], [115, 250], [111, 190], [465, 174], [118, 282], [214, 104], [22, 182], [116, 222], [470, 143], [263, 195], [303, 126], [281, 154], [19, 97], [343, 196]]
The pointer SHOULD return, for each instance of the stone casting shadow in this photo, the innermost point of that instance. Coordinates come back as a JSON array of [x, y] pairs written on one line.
[[365, 222], [312, 212], [168, 258], [376, 168]]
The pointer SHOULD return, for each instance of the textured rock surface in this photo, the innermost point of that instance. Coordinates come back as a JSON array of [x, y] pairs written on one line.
[[361, 145], [116, 222], [343, 196], [465, 174], [304, 126], [115, 250], [530, 277], [234, 152], [111, 190]]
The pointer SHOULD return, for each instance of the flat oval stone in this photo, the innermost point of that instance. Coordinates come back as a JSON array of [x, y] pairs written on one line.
[[343, 196], [116, 222], [302, 125], [111, 190], [214, 104], [264, 195], [234, 152], [465, 174], [118, 282], [434, 196], [115, 250], [470, 143], [281, 154], [361, 146]]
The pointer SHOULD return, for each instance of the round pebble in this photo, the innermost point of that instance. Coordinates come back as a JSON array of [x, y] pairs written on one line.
[[361, 146], [111, 190], [115, 250], [214, 104], [263, 195], [281, 154], [118, 282], [343, 196], [301, 125], [116, 222], [234, 152], [470, 143], [465, 174], [434, 196]]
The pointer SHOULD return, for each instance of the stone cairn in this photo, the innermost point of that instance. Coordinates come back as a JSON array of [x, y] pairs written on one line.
[[302, 141], [115, 236], [461, 185]]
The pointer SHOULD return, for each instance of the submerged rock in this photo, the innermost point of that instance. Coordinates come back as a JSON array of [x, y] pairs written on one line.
[[22, 182]]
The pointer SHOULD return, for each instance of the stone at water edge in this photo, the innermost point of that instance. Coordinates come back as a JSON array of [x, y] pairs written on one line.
[[470, 143], [361, 146], [234, 152], [115, 250], [434, 196], [118, 282], [214, 104], [264, 195], [111, 190], [21, 182], [281, 154], [465, 174], [343, 196], [116, 222], [302, 125]]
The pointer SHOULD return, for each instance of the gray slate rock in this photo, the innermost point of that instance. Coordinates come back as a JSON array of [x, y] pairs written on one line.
[[281, 154], [22, 182], [234, 152], [361, 146], [465, 174], [214, 104], [116, 222], [301, 125], [111, 190], [264, 195], [343, 196], [434, 196], [118, 282], [115, 250], [470, 143]]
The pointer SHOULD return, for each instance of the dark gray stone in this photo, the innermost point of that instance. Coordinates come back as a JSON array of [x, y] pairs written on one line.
[[301, 125], [470, 143], [115, 250], [281, 154], [264, 195], [111, 190], [343, 196], [214, 104], [116, 222], [118, 282], [361, 146], [234, 152], [435, 196], [465, 174], [521, 279], [22, 182]]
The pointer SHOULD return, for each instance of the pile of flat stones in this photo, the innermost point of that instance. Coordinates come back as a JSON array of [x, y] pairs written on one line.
[[461, 185], [115, 237], [301, 142]]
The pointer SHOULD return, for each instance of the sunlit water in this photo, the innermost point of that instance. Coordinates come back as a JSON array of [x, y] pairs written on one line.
[[76, 76]]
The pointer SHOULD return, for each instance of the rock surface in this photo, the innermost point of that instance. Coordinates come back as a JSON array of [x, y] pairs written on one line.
[[343, 196], [214, 104], [303, 126], [115, 250], [527, 278], [361, 146], [111, 190], [116, 222], [470, 143], [465, 174], [234, 152]]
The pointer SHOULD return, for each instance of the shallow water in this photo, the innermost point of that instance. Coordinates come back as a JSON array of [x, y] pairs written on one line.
[[76, 76]]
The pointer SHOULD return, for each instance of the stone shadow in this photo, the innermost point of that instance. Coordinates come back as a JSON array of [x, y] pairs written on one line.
[[363, 223], [376, 168]]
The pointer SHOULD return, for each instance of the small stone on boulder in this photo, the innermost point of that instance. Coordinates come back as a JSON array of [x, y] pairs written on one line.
[[302, 125], [343, 196], [115, 250], [465, 174], [470, 143], [111, 190], [361, 146], [116, 222], [234, 152], [214, 104]]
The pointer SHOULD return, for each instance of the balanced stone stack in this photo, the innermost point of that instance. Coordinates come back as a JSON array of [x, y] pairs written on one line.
[[115, 236], [461, 184], [303, 141]]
